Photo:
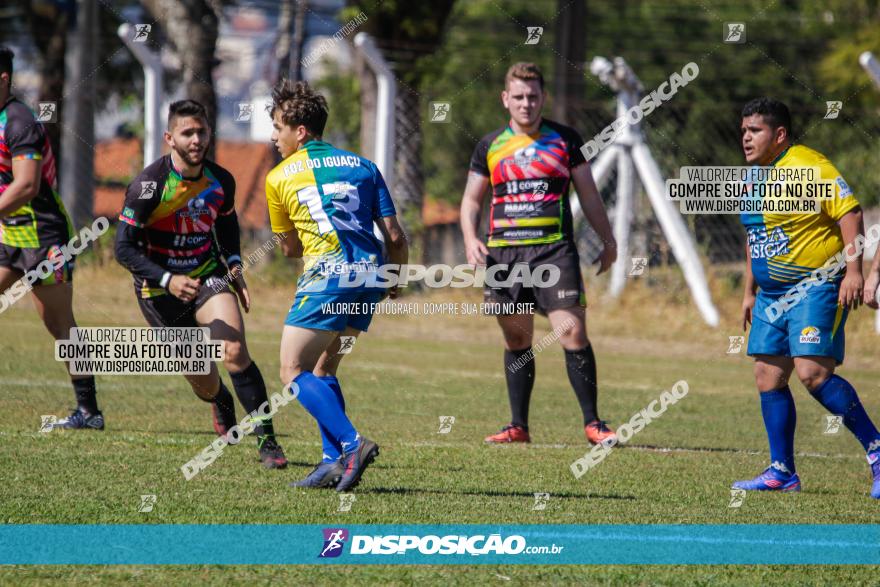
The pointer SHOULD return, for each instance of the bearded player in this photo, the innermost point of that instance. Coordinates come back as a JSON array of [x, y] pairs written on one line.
[[179, 237], [323, 202], [529, 165], [782, 251], [33, 227]]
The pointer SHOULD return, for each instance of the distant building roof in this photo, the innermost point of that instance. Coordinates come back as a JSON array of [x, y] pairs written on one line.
[[117, 161]]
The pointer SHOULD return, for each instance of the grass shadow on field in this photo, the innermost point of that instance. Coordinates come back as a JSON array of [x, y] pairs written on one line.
[[491, 493]]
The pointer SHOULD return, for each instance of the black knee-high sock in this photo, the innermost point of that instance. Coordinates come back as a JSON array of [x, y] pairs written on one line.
[[84, 390], [225, 404], [581, 367], [519, 370], [251, 392]]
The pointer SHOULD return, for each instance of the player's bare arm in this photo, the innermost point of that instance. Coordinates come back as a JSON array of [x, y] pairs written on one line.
[[872, 282], [291, 246], [397, 244], [851, 226], [749, 295], [471, 204], [24, 187], [594, 211]]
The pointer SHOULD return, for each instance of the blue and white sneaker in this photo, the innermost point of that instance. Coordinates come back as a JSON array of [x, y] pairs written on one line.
[[80, 420], [774, 478], [874, 460]]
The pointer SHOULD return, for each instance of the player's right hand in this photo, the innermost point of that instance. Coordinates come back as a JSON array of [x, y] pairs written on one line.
[[747, 307], [476, 252], [184, 287], [869, 293]]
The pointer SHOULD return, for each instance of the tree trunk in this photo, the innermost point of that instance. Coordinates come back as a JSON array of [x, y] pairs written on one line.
[[571, 50], [282, 46], [192, 29], [48, 28], [77, 177], [299, 40], [409, 181]]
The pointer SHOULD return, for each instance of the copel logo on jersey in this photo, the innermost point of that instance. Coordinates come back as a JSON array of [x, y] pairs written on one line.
[[538, 187], [334, 540], [764, 244]]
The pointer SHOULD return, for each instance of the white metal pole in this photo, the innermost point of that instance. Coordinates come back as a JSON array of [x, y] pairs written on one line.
[[603, 164], [626, 187], [871, 65], [387, 92], [683, 246], [152, 65], [600, 175]]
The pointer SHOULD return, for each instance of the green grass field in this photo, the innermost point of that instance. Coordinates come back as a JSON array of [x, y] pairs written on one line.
[[402, 376]]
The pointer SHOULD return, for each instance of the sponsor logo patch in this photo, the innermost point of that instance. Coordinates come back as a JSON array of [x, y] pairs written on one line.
[[810, 335]]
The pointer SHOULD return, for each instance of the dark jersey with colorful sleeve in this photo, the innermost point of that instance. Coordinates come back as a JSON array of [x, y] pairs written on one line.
[[42, 222], [168, 225], [530, 176]]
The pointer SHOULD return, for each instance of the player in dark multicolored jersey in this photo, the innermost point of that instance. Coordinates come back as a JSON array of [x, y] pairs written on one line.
[[529, 165], [33, 228], [178, 235]]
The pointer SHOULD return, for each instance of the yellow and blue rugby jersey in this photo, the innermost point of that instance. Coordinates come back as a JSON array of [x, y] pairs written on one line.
[[331, 198], [785, 248]]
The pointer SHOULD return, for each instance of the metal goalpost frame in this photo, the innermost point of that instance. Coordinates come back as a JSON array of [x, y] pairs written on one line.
[[153, 72], [635, 163]]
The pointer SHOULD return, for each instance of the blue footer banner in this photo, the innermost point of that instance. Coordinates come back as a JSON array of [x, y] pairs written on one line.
[[439, 544]]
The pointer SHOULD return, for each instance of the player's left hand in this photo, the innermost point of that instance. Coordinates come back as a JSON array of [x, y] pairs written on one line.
[[851, 287], [869, 295], [240, 287], [607, 257]]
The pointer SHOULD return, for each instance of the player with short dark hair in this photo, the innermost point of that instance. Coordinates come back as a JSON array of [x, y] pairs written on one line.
[[179, 237], [783, 250], [530, 163], [33, 227], [323, 201]]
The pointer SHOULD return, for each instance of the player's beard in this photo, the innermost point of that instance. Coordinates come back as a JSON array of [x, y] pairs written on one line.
[[190, 158]]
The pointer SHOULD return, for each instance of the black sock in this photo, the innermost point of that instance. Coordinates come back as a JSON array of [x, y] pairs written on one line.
[[84, 390], [225, 404], [251, 392], [581, 367], [519, 370]]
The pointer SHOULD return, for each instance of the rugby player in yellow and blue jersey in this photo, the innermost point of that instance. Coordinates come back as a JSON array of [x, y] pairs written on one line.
[[783, 250], [323, 203]]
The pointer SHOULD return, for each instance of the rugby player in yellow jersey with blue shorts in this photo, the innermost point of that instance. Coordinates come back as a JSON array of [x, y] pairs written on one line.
[[806, 336], [323, 203]]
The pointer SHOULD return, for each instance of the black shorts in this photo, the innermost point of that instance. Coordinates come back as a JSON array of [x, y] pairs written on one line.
[[566, 293], [168, 311], [28, 259]]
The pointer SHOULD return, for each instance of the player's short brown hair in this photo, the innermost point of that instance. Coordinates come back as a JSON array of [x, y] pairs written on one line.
[[524, 71], [299, 104], [6, 56], [186, 109]]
